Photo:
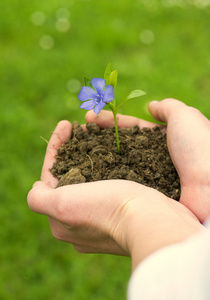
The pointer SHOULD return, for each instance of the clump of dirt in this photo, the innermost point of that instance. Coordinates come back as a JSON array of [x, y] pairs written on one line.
[[91, 155]]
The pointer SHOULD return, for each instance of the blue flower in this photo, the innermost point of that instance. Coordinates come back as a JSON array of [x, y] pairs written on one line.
[[96, 98]]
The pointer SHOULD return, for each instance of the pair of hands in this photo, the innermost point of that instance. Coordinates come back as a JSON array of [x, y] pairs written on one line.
[[123, 217]]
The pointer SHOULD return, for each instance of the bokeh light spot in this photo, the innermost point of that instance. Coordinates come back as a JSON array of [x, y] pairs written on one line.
[[74, 85], [47, 42], [62, 13], [147, 36], [38, 18], [62, 25]]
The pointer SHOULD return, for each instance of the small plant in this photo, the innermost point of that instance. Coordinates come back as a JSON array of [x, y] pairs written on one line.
[[99, 92]]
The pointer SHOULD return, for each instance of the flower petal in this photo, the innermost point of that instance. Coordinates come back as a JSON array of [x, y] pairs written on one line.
[[86, 93], [98, 84], [108, 94], [88, 105], [99, 107]]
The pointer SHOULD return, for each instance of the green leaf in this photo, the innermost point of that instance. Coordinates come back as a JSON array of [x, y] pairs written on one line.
[[87, 82], [135, 94], [107, 73], [113, 78]]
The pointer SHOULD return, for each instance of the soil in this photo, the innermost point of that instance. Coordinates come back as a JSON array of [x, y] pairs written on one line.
[[92, 155]]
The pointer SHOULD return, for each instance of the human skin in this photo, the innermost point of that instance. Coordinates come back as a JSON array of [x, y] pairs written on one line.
[[188, 139], [115, 216]]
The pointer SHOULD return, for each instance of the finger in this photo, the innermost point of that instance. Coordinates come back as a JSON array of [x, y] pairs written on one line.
[[105, 119], [39, 196], [162, 110], [72, 203], [61, 133], [175, 112]]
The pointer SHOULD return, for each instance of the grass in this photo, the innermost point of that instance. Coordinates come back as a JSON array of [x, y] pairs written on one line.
[[161, 47]]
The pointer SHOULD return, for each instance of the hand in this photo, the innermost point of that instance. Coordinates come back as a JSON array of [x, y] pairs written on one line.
[[188, 138], [113, 216]]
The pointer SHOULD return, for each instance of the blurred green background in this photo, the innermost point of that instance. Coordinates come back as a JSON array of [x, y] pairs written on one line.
[[46, 48]]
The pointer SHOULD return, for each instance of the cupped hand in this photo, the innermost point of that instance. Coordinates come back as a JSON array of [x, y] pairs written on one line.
[[114, 216], [188, 138]]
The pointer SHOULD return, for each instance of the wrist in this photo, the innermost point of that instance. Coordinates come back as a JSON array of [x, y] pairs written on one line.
[[161, 224]]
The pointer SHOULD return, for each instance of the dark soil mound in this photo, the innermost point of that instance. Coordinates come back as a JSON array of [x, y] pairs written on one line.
[[92, 155]]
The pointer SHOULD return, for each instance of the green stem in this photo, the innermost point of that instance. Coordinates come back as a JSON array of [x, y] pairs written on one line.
[[114, 110], [117, 133]]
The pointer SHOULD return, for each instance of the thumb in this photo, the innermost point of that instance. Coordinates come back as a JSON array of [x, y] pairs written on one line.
[[105, 119], [38, 197], [164, 109]]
